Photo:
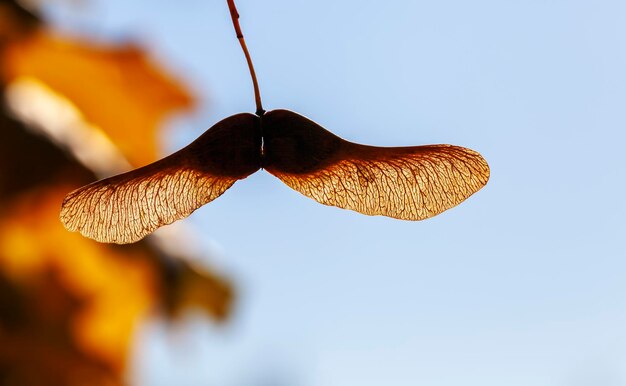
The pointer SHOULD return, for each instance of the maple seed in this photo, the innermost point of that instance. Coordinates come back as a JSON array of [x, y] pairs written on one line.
[[409, 183]]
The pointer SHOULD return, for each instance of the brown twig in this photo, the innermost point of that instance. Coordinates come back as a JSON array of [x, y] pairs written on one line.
[[257, 94]]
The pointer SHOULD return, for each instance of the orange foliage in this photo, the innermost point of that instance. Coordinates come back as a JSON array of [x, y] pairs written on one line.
[[70, 306], [119, 283], [115, 87]]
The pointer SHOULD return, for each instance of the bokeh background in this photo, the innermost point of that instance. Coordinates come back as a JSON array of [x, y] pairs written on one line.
[[523, 284]]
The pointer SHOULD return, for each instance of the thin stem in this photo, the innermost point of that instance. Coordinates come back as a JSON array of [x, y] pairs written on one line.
[[257, 94]]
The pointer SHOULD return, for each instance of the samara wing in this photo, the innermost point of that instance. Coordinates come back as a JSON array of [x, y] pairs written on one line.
[[410, 183], [125, 208]]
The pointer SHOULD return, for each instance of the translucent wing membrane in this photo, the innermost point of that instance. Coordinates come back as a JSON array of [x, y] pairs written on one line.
[[410, 183], [127, 207]]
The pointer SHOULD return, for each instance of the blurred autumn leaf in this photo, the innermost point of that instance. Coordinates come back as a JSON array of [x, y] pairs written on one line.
[[69, 306], [116, 87]]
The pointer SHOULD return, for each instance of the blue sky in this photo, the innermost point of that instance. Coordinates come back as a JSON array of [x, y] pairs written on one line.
[[523, 284]]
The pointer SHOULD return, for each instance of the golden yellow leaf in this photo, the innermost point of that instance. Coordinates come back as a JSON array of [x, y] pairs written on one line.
[[116, 88], [36, 344], [68, 306], [119, 283]]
